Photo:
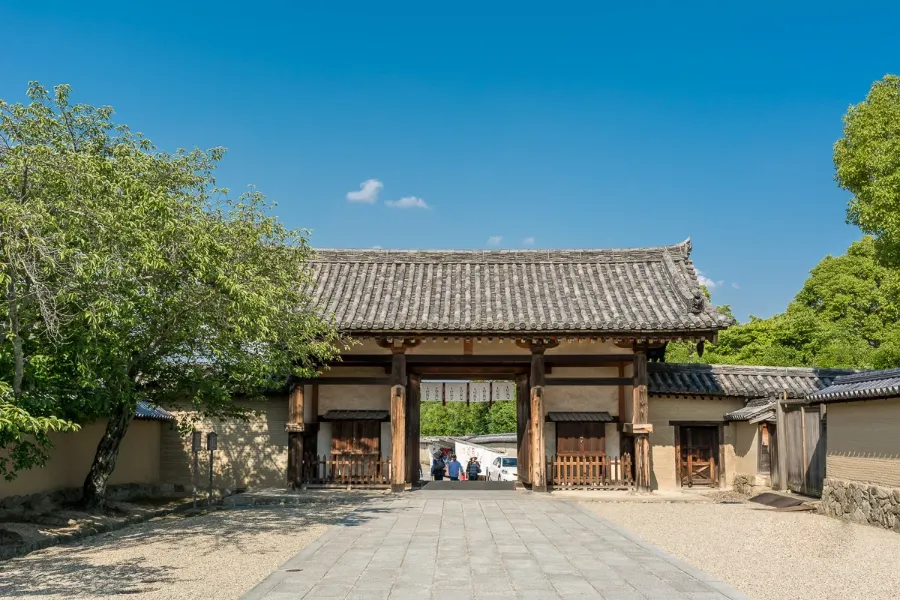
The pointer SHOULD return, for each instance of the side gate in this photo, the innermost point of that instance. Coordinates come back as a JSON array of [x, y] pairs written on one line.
[[804, 428]]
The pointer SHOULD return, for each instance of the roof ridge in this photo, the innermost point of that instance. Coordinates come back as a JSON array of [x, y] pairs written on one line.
[[859, 377], [760, 369], [681, 252]]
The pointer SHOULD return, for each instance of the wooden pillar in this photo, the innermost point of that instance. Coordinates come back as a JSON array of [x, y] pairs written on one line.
[[398, 438], [780, 444], [413, 418], [538, 459], [640, 420], [536, 395], [523, 427], [294, 428]]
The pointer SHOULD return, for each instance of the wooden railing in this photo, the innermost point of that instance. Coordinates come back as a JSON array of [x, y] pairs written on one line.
[[590, 472], [345, 470]]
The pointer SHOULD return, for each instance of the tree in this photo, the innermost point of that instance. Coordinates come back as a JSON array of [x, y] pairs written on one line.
[[867, 164], [181, 293], [846, 315], [502, 417]]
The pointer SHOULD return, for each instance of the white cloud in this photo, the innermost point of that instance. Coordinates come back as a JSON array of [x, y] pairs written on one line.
[[529, 241], [368, 191], [407, 202], [495, 240], [735, 286], [710, 284], [376, 247]]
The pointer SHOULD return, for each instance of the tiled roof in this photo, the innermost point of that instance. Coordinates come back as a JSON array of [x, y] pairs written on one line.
[[756, 409], [493, 438], [580, 417], [503, 291], [352, 415], [147, 412], [737, 380], [861, 386]]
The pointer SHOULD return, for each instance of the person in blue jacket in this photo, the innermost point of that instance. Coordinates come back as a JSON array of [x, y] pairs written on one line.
[[454, 468]]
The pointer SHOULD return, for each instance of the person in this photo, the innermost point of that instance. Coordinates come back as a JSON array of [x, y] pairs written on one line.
[[454, 468], [437, 467], [473, 469]]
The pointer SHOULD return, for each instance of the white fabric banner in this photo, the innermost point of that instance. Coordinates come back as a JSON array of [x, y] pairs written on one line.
[[432, 391], [503, 391], [456, 392], [480, 392]]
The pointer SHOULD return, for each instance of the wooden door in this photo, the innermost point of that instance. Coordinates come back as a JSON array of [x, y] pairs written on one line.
[[356, 437], [581, 439], [766, 433], [699, 449]]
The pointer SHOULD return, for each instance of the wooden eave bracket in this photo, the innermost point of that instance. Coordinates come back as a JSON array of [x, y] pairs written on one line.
[[637, 428], [295, 427]]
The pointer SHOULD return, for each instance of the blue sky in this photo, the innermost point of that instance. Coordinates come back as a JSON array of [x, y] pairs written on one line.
[[547, 125]]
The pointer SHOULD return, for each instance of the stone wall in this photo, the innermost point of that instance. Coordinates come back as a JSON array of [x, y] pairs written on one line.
[[861, 503]]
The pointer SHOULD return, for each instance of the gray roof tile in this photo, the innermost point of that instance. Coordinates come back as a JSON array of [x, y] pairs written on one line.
[[737, 380], [499, 291], [344, 415], [861, 386], [580, 417], [145, 411]]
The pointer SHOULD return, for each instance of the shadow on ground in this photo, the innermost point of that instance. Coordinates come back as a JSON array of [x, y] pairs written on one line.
[[145, 557]]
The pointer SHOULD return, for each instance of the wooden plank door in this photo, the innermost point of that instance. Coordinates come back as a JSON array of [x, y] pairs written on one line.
[[580, 439], [699, 448]]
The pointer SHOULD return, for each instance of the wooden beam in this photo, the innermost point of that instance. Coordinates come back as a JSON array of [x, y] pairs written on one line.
[[398, 438], [536, 376], [622, 393], [295, 460], [468, 372], [314, 401], [614, 381], [641, 417], [413, 416], [523, 433], [398, 367], [558, 360], [295, 406], [781, 443], [350, 381], [538, 459], [467, 346]]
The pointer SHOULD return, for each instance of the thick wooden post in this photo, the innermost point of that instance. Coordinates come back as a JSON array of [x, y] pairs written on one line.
[[398, 438], [294, 427], [641, 418], [538, 459], [780, 444], [523, 427], [536, 395], [412, 428]]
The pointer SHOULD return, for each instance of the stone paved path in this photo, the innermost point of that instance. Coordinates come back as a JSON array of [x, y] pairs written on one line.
[[484, 545]]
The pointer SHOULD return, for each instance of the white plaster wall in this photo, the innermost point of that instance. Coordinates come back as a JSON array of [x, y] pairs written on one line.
[[323, 439], [582, 398], [612, 440], [587, 347], [354, 397], [386, 440]]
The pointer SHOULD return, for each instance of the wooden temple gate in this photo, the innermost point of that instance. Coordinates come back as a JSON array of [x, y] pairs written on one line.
[[530, 374]]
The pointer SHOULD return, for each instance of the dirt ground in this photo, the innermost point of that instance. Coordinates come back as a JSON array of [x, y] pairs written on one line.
[[218, 555], [770, 555]]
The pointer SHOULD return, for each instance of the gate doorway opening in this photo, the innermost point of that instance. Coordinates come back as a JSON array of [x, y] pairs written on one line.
[[697, 450], [468, 418]]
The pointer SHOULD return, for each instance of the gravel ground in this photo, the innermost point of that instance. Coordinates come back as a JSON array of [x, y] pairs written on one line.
[[770, 555], [218, 555]]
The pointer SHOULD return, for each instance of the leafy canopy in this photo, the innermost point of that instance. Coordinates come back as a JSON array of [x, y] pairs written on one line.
[[131, 276], [847, 315], [867, 164]]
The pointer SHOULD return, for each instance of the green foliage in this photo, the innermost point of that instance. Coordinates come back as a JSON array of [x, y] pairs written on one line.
[[845, 316], [867, 164], [457, 418], [129, 275]]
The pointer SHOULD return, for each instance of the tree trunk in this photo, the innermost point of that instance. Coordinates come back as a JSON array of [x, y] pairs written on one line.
[[15, 333], [94, 491]]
